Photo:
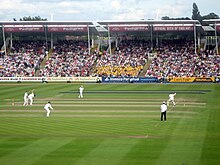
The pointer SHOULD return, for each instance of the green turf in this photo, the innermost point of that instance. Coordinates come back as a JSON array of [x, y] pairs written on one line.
[[113, 124]]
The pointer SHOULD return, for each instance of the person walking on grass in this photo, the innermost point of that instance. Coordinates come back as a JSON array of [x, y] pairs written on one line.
[[171, 98], [31, 97], [48, 107], [163, 109], [25, 99], [81, 88]]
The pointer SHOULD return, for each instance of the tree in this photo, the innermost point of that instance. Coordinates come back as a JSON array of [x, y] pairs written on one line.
[[168, 18], [210, 16], [36, 18], [165, 18], [195, 13]]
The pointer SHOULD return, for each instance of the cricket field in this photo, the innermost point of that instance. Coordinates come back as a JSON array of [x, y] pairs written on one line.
[[114, 124]]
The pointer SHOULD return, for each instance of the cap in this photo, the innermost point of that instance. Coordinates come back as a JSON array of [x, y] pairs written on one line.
[[164, 102], [48, 101]]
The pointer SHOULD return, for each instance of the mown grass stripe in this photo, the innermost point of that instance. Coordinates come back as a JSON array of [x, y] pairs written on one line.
[[191, 140], [102, 105], [106, 102], [91, 111], [110, 148], [93, 115], [11, 144], [29, 154], [71, 152]]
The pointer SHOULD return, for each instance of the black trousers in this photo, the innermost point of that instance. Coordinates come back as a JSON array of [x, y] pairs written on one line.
[[163, 116]]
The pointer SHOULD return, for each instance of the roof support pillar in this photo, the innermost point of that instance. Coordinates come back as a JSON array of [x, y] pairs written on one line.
[[216, 39], [11, 41], [3, 35], [151, 36], [51, 40], [109, 41], [88, 40], [46, 39], [195, 38]]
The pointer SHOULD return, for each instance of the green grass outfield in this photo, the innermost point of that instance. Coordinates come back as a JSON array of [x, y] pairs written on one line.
[[114, 124]]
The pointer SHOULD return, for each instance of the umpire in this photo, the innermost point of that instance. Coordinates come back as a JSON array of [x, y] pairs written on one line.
[[163, 109]]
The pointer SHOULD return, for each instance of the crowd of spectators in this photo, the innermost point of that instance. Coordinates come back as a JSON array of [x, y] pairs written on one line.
[[23, 59], [180, 60], [176, 58], [128, 59], [69, 58]]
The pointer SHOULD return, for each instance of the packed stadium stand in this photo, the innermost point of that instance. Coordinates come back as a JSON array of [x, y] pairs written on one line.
[[176, 48], [69, 58], [23, 59], [179, 60], [128, 59]]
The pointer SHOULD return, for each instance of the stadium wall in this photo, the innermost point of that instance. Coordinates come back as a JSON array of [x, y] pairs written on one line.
[[114, 79], [50, 79]]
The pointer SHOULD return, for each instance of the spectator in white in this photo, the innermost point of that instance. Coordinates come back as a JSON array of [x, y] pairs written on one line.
[[31, 97], [47, 107], [25, 99], [81, 88], [171, 98], [163, 109]]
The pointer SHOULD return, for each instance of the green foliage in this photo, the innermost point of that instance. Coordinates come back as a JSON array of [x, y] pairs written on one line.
[[181, 18], [196, 13], [210, 16], [197, 16], [29, 18]]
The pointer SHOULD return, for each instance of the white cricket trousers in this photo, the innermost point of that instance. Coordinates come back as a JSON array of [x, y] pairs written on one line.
[[31, 101], [48, 112], [172, 101], [25, 102], [80, 95]]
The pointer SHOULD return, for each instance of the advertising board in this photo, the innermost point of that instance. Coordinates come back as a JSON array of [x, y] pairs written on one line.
[[129, 79]]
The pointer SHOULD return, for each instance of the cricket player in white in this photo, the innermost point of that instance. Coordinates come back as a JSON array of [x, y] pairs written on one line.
[[81, 91], [31, 97], [171, 98], [47, 107], [25, 99], [163, 109]]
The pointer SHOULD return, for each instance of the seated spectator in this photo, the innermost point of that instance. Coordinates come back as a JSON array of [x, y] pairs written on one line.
[[24, 59], [69, 58], [127, 60], [175, 61]]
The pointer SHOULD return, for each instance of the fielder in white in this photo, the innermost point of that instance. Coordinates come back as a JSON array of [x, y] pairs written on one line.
[[25, 99], [171, 98], [47, 107], [81, 91], [31, 97]]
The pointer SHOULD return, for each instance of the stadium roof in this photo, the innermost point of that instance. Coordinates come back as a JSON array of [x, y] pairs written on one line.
[[149, 22], [208, 28], [46, 23], [105, 22], [101, 27]]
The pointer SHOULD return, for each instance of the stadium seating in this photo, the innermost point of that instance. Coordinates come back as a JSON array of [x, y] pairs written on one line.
[[69, 58], [23, 59], [127, 60], [181, 61], [174, 58]]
